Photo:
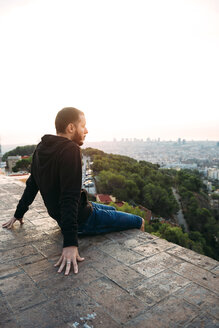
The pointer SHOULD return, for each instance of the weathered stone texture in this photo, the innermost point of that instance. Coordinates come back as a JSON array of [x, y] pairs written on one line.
[[128, 278]]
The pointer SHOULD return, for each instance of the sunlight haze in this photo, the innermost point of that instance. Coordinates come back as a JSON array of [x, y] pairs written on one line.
[[137, 69]]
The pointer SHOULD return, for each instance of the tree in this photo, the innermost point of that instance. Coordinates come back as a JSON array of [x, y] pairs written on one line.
[[159, 201], [23, 165], [129, 209], [215, 196], [189, 179], [202, 216]]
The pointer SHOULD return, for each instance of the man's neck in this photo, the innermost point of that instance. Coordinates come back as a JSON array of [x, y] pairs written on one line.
[[64, 135]]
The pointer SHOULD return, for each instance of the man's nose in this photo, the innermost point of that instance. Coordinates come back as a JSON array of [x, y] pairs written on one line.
[[86, 130]]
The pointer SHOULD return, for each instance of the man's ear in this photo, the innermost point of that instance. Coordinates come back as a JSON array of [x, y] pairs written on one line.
[[70, 128]]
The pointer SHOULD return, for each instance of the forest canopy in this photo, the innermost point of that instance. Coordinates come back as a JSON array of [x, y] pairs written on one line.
[[144, 183]]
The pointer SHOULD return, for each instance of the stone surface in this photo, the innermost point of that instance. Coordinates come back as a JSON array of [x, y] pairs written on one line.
[[193, 257], [128, 279], [172, 312], [201, 276], [159, 286], [155, 264]]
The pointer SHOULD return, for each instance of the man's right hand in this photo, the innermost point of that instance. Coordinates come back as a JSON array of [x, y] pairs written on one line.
[[11, 222], [69, 256]]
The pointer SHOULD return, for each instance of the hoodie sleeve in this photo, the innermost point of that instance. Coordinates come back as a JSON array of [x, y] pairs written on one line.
[[27, 198], [70, 175]]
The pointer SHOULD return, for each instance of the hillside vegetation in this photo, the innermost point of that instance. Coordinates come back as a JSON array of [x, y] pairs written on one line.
[[20, 150], [144, 183], [135, 182]]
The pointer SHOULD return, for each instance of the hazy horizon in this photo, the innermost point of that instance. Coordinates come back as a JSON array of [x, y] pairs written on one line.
[[138, 69], [87, 143]]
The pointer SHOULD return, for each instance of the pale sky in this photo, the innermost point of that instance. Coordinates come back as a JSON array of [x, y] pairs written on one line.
[[137, 68]]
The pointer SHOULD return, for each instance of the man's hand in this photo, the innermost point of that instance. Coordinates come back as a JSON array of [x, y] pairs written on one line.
[[69, 256], [11, 222]]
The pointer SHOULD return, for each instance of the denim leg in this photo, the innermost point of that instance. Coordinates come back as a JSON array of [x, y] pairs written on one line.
[[105, 221], [103, 207], [108, 221]]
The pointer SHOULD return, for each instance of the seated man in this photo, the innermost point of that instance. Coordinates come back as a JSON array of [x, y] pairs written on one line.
[[56, 172]]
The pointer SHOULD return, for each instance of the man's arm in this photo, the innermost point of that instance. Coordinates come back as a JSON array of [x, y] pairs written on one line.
[[70, 186], [70, 176], [27, 198]]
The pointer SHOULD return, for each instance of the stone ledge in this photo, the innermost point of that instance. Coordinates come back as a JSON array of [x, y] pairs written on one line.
[[128, 279]]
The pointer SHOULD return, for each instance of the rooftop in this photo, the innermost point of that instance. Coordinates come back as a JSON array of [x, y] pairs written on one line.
[[128, 279]]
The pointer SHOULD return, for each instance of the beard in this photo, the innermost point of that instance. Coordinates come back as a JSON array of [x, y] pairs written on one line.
[[77, 138]]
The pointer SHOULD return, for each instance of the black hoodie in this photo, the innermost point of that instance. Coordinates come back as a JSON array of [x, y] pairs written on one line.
[[56, 171]]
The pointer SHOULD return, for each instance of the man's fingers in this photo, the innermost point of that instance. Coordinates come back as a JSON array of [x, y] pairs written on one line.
[[6, 224], [75, 266], [80, 258], [68, 267], [9, 224], [61, 266], [59, 261]]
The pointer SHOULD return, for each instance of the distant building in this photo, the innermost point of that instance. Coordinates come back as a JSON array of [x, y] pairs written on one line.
[[105, 199], [180, 166], [12, 160], [215, 204], [208, 184], [213, 173]]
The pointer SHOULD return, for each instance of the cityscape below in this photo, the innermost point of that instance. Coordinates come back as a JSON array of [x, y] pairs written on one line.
[[180, 154], [165, 153]]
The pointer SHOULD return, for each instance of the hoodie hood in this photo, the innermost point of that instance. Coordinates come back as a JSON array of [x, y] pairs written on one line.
[[51, 140], [49, 147]]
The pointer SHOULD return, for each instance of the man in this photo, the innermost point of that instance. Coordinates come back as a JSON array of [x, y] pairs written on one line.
[[56, 172]]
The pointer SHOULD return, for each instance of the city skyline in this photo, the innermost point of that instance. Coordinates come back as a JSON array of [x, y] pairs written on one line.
[[87, 143], [103, 144], [137, 69]]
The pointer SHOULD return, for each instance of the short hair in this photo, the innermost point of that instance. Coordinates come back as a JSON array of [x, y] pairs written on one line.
[[65, 116]]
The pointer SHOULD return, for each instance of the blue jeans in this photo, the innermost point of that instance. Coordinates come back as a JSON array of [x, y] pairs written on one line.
[[105, 219]]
